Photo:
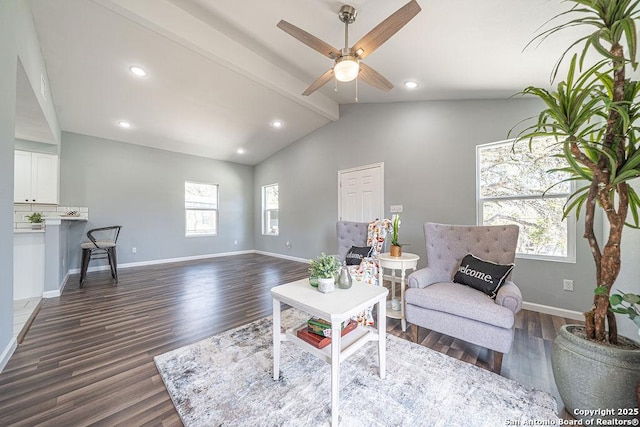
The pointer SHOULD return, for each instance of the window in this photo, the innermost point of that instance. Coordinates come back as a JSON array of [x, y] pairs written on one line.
[[201, 207], [270, 210], [510, 186]]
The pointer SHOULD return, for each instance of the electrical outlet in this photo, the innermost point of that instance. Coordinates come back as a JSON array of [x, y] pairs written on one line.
[[395, 208], [134, 250], [235, 242], [567, 285], [289, 245]]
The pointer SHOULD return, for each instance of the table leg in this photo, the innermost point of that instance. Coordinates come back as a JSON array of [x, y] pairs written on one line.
[[403, 319], [276, 339], [335, 370], [393, 283], [382, 337]]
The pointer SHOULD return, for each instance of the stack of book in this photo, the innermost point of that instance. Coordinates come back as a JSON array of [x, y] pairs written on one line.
[[318, 331]]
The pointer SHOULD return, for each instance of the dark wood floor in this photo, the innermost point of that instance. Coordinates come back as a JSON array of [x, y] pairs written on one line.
[[88, 357]]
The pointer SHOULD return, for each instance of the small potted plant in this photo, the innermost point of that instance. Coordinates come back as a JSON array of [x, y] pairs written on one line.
[[36, 220], [324, 268], [396, 247]]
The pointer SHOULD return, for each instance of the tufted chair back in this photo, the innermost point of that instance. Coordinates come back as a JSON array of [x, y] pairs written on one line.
[[448, 244], [349, 234]]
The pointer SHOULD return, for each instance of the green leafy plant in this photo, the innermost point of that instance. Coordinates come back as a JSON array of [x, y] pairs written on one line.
[[324, 266], [35, 218], [627, 304], [593, 115], [396, 225]]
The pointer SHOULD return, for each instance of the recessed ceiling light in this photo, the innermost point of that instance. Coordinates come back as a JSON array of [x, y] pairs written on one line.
[[124, 124], [277, 124], [240, 151], [411, 84], [138, 71]]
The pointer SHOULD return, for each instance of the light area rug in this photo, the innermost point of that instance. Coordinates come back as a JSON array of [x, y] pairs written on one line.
[[226, 380]]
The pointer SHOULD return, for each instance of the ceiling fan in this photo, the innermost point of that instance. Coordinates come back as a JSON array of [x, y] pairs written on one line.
[[347, 61]]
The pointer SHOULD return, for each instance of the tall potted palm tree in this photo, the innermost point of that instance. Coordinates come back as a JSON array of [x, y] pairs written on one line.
[[594, 115]]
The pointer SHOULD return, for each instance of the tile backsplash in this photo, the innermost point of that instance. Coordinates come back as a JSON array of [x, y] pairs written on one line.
[[22, 211]]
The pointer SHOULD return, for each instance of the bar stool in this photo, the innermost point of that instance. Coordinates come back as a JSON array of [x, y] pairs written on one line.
[[101, 244]]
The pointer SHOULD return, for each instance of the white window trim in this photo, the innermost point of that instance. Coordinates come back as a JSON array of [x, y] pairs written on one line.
[[571, 219], [264, 211], [217, 210]]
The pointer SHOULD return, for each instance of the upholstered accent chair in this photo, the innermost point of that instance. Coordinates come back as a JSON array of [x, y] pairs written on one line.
[[361, 234], [435, 302], [348, 234]]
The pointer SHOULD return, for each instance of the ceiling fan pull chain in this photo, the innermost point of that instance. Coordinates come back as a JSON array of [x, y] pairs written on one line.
[[356, 89], [335, 81]]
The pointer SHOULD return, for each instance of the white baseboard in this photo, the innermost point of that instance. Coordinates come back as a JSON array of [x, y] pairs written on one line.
[[7, 353], [555, 311], [52, 294], [289, 257], [161, 261], [58, 292]]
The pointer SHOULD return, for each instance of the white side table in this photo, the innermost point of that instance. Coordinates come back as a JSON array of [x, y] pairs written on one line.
[[404, 262]]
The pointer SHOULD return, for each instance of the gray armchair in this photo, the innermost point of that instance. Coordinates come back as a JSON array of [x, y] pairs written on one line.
[[349, 234], [434, 302]]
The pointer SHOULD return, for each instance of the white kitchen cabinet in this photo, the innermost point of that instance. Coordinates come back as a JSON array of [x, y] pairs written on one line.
[[36, 178], [28, 264]]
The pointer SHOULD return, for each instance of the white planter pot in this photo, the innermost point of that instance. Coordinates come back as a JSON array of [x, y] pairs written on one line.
[[326, 285]]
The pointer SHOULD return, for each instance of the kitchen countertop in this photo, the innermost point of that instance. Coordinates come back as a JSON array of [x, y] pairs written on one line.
[[62, 218], [65, 218]]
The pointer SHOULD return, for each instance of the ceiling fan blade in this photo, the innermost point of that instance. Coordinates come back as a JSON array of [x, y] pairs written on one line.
[[309, 39], [322, 80], [384, 30], [373, 78]]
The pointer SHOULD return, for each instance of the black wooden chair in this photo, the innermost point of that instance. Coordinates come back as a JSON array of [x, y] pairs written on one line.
[[101, 244]]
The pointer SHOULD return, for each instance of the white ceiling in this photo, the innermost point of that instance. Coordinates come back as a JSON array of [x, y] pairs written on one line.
[[219, 71]]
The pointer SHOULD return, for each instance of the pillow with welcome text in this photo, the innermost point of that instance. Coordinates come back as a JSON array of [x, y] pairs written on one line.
[[485, 276], [357, 253]]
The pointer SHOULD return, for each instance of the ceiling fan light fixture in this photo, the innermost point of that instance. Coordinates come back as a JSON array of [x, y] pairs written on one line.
[[346, 69], [138, 71]]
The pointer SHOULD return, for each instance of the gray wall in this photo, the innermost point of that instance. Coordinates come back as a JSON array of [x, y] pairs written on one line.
[[142, 189], [628, 280], [8, 64], [18, 39], [428, 150]]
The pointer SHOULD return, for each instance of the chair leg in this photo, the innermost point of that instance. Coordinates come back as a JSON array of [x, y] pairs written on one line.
[[415, 331], [113, 262], [86, 257], [497, 362]]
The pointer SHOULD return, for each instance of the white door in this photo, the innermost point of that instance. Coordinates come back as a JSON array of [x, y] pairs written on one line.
[[361, 193]]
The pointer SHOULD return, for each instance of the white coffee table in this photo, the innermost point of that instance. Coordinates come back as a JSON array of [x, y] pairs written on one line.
[[334, 307], [403, 263]]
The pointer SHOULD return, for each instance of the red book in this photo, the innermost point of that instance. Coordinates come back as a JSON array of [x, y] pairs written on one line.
[[319, 341]]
